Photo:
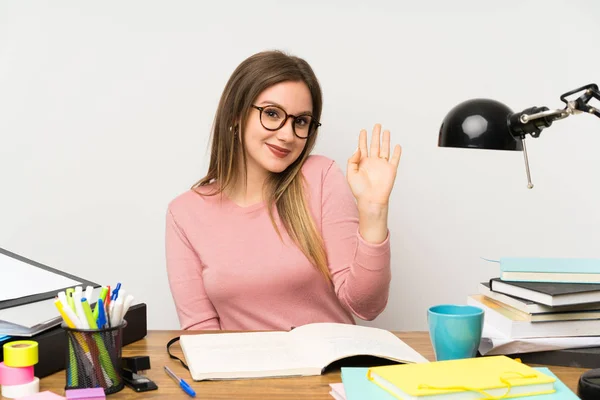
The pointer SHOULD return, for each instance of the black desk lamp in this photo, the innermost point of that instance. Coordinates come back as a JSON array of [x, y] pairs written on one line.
[[489, 124]]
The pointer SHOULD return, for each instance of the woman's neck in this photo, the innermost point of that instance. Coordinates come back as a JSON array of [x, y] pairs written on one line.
[[250, 192]]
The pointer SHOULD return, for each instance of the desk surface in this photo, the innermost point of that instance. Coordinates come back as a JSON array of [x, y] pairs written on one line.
[[312, 387]]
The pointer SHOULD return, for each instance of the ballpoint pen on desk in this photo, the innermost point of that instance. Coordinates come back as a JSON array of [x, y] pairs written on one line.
[[183, 384]]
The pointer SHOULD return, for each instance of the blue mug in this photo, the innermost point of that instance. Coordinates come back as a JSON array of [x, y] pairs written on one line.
[[455, 330]]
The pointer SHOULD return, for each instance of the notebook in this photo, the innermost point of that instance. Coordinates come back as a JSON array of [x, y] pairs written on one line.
[[538, 269], [464, 379], [515, 324], [549, 293], [530, 306], [358, 387], [562, 391], [305, 350]]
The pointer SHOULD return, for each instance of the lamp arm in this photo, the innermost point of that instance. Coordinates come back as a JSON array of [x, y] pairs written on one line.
[[581, 104], [533, 120]]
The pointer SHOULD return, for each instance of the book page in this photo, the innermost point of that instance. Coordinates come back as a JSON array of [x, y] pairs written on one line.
[[248, 354], [337, 341]]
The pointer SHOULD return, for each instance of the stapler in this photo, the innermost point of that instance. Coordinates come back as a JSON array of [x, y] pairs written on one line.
[[133, 369]]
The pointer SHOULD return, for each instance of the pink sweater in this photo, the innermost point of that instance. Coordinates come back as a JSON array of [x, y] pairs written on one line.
[[229, 270]]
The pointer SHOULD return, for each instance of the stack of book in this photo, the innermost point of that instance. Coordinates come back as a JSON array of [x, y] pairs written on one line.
[[465, 379], [542, 298]]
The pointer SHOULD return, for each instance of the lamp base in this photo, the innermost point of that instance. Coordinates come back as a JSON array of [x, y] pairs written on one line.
[[588, 387]]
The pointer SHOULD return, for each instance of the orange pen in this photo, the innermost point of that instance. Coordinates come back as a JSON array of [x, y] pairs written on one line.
[[106, 300]]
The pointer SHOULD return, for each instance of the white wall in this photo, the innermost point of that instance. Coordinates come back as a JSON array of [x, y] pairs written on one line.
[[106, 107]]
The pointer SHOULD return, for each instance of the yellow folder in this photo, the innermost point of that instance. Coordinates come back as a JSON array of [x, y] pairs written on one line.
[[493, 377]]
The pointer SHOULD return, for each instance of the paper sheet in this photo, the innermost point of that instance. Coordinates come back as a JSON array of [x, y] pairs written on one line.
[[494, 343], [19, 279], [497, 346]]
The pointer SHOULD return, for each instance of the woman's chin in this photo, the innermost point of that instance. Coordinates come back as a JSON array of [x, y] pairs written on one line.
[[276, 167]]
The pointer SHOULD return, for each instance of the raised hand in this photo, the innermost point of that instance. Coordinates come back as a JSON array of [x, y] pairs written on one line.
[[371, 172]]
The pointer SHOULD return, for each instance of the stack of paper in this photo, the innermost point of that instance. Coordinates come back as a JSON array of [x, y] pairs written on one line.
[[27, 291]]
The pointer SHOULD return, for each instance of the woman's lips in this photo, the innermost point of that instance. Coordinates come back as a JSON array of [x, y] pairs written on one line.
[[278, 151]]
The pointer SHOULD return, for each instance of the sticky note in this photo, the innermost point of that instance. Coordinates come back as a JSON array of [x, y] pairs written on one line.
[[46, 395], [85, 394]]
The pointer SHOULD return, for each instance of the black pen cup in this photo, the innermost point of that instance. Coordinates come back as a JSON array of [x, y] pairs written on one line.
[[93, 358]]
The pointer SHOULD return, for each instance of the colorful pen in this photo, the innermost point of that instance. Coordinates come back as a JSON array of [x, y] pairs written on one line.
[[59, 305], [183, 384], [108, 295], [69, 293], [115, 313], [79, 310], [89, 290], [68, 315], [103, 297], [101, 320], [63, 299], [116, 291], [88, 314]]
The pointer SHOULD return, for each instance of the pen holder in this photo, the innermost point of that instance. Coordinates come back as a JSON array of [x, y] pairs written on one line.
[[94, 358]]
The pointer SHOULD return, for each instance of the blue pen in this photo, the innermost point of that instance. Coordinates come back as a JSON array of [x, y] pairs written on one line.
[[101, 321], [186, 388], [115, 292]]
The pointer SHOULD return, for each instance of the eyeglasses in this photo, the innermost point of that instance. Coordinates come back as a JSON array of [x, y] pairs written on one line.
[[273, 118]]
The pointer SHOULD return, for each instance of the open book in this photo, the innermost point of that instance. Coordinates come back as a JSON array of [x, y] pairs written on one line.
[[306, 350]]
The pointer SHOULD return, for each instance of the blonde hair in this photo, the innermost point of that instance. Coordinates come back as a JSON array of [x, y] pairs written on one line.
[[284, 190]]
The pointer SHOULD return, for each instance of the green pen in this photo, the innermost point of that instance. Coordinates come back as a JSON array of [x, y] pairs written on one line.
[[69, 292], [102, 296], [88, 314]]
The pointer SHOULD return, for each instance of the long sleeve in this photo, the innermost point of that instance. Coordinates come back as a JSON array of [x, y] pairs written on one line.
[[360, 270], [184, 270]]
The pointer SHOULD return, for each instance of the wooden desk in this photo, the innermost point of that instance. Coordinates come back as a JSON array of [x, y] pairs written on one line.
[[312, 387]]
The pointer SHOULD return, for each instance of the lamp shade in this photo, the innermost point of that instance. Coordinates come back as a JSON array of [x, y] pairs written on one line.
[[479, 124]]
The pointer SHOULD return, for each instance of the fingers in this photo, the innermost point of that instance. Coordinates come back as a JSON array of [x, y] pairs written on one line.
[[395, 160], [362, 144], [384, 151], [375, 141], [353, 161], [376, 149]]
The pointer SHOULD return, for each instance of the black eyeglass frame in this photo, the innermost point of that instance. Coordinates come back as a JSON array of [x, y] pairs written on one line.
[[314, 124]]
